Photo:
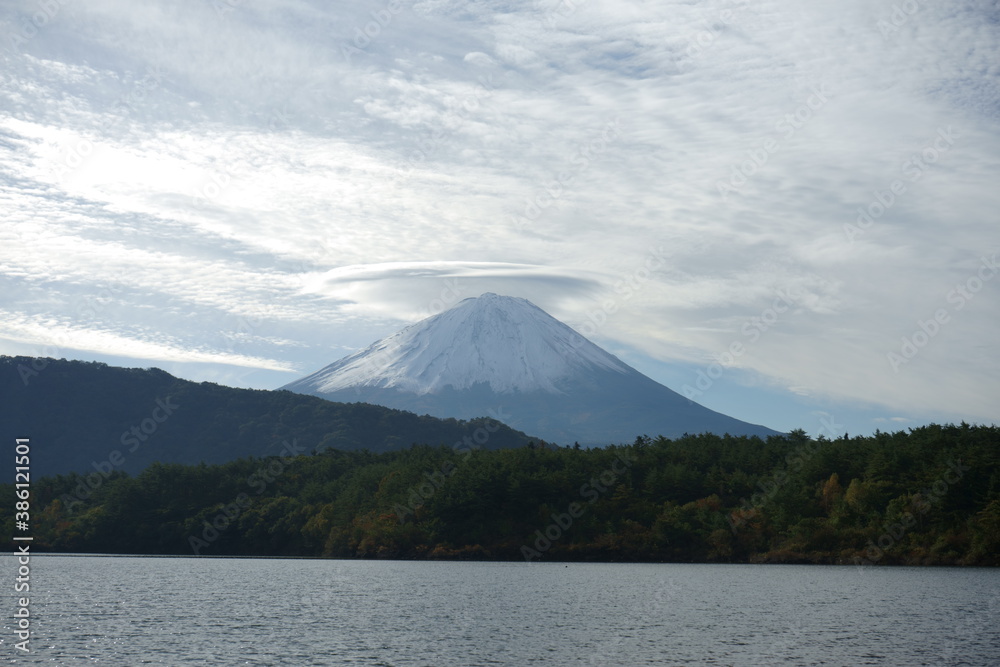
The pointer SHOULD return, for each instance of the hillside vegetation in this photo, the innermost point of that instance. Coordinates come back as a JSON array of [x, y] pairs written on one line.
[[928, 496], [86, 416]]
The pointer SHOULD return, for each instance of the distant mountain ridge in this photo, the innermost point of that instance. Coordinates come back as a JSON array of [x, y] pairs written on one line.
[[88, 417], [497, 354]]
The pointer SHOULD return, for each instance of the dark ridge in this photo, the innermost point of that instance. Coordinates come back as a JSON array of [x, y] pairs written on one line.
[[88, 416]]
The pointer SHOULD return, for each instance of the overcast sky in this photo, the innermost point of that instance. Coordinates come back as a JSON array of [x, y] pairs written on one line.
[[791, 209]]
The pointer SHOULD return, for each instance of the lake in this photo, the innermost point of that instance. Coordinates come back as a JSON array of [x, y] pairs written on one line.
[[174, 611]]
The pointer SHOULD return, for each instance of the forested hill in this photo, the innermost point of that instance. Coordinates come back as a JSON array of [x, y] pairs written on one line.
[[84, 416], [928, 496]]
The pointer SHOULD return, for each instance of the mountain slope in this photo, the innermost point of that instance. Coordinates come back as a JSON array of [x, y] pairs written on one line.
[[507, 343], [85, 416], [505, 357]]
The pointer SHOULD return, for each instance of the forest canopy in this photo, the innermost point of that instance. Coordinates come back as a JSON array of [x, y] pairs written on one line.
[[927, 496]]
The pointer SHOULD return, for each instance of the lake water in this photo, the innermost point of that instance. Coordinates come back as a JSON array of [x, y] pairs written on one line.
[[174, 611]]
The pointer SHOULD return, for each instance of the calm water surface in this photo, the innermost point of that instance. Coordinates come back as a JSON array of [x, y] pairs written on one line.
[[175, 611]]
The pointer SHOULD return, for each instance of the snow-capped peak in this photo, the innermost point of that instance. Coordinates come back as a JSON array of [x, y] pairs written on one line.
[[506, 342]]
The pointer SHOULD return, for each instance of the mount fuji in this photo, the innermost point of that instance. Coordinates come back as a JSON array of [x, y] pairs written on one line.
[[505, 357]]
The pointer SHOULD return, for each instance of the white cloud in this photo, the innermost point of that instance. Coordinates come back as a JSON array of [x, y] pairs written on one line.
[[54, 339], [267, 165]]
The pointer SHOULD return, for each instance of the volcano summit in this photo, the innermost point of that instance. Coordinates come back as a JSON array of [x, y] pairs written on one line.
[[505, 357]]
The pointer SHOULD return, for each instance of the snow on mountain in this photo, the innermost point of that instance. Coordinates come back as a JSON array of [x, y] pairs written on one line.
[[505, 357], [505, 342]]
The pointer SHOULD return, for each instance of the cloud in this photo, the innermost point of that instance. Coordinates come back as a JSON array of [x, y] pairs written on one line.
[[55, 339], [414, 290], [314, 176]]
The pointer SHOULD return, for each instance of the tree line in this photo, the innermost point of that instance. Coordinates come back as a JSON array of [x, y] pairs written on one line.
[[930, 495]]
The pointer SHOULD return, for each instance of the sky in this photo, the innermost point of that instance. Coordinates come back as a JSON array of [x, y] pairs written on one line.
[[786, 211]]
